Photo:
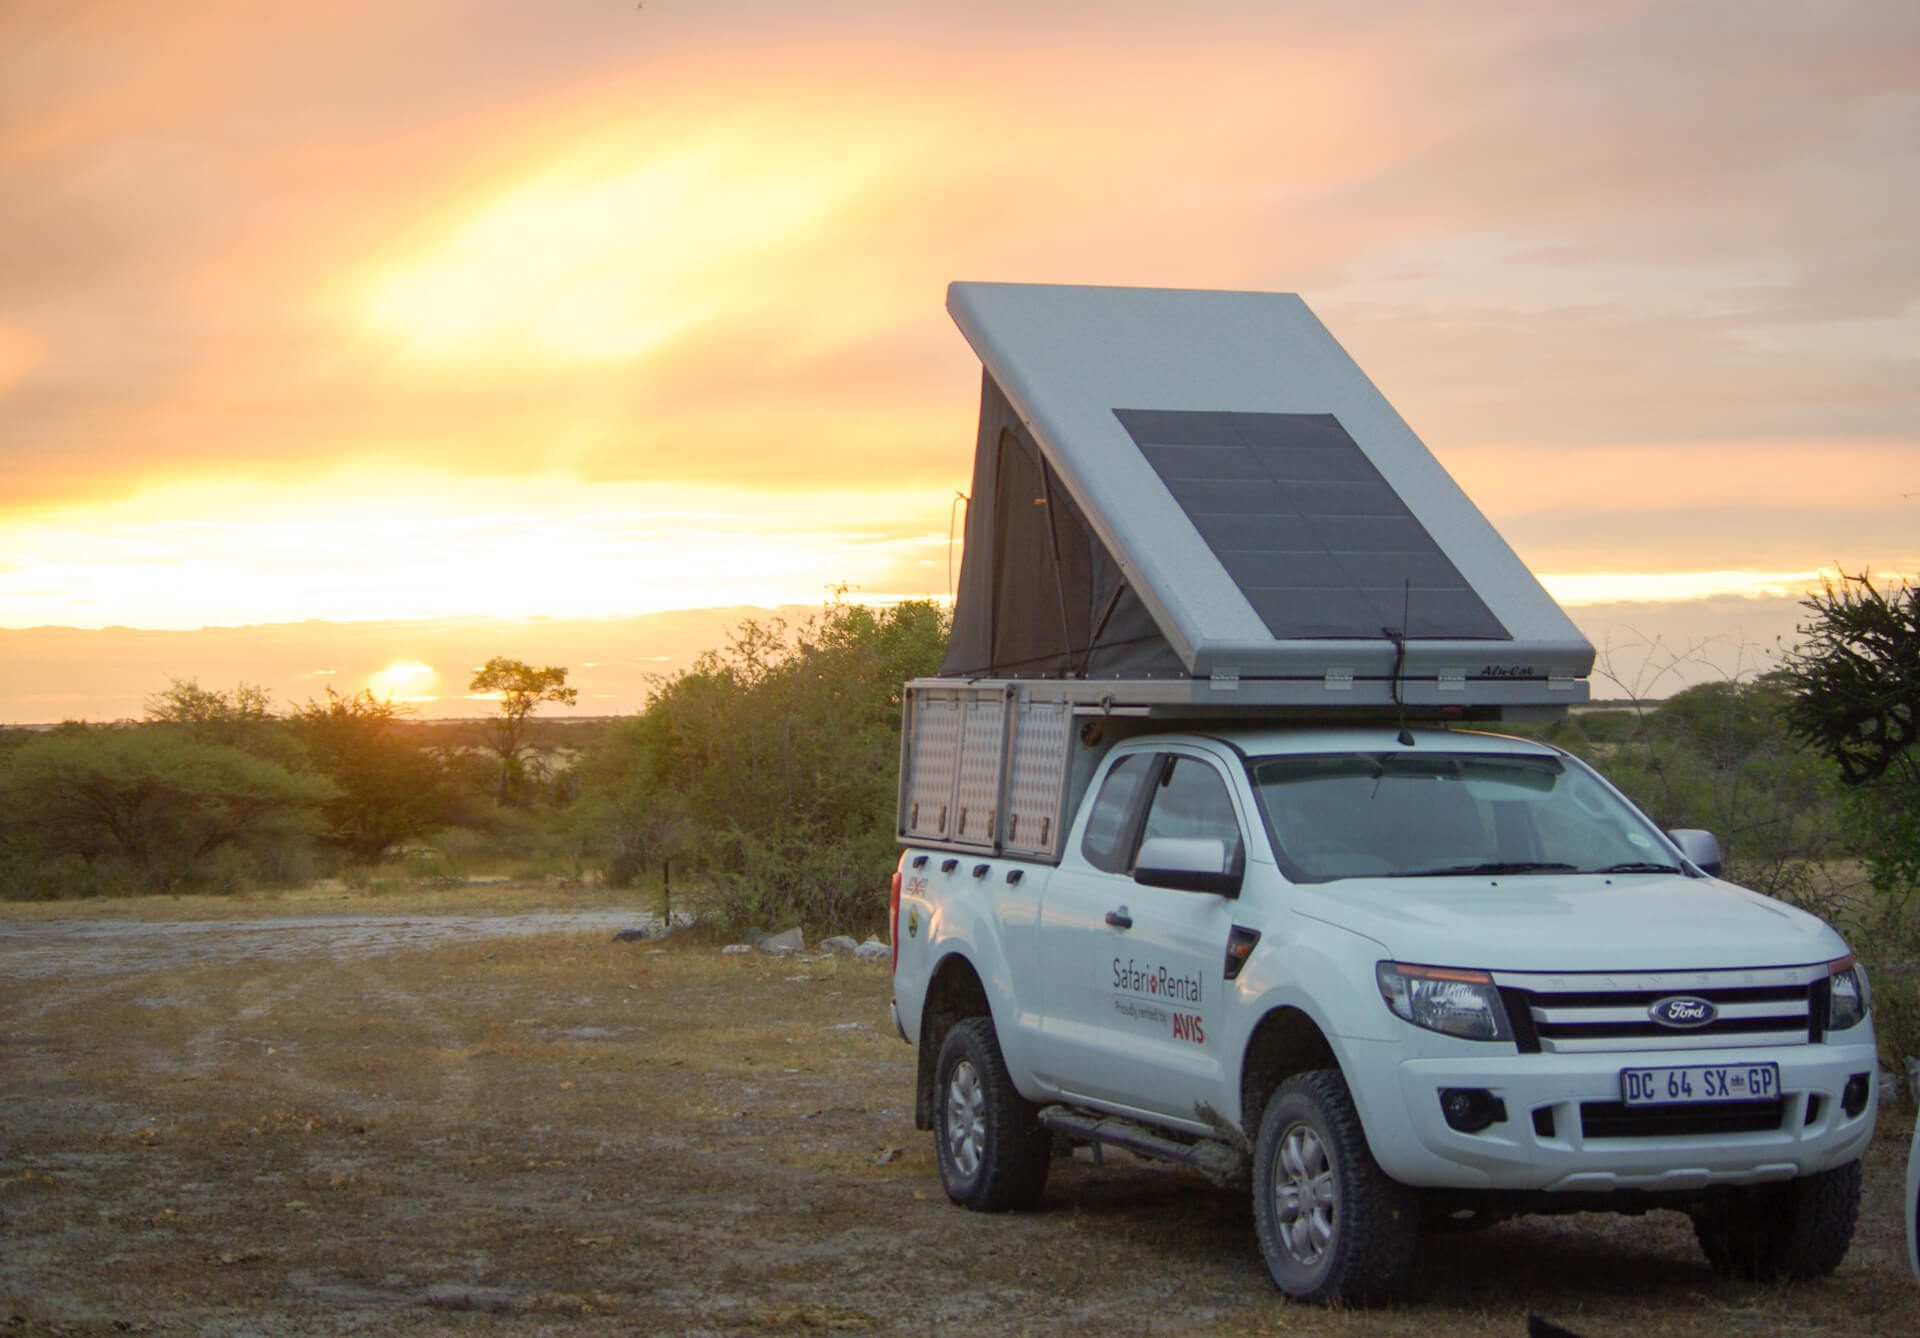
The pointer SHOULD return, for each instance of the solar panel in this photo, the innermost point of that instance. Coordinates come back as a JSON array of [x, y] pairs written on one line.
[[1317, 541]]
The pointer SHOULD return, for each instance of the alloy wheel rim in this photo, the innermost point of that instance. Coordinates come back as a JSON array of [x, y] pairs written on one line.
[[1305, 1195], [966, 1118]]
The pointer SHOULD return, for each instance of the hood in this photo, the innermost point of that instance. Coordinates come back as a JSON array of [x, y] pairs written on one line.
[[1588, 922]]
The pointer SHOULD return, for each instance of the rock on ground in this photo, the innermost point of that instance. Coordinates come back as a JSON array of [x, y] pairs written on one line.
[[651, 932], [787, 940]]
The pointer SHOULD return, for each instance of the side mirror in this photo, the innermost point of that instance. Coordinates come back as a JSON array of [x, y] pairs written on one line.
[[1187, 864], [1701, 848]]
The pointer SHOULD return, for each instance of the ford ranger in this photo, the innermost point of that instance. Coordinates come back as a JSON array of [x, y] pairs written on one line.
[[1390, 981]]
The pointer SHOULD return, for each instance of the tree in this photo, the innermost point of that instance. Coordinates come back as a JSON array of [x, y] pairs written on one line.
[[155, 800], [1856, 680], [522, 690], [1856, 697], [241, 718], [390, 789], [185, 702]]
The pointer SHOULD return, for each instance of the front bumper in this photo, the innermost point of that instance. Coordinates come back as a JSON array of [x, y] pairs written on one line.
[[1555, 1137]]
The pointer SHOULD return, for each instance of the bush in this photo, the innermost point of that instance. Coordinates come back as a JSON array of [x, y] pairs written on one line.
[[832, 885], [27, 877], [152, 804], [389, 789], [1723, 756], [1896, 1025], [771, 767]]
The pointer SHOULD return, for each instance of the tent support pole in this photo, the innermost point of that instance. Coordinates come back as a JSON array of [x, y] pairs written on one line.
[[1113, 602], [1059, 578]]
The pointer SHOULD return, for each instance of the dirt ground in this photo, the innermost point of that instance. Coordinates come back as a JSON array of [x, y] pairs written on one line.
[[394, 1117]]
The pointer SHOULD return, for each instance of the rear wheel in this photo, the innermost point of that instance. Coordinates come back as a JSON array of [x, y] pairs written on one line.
[[1792, 1231], [992, 1149], [1332, 1225]]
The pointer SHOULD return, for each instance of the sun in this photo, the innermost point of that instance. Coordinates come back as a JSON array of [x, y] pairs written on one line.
[[404, 681]]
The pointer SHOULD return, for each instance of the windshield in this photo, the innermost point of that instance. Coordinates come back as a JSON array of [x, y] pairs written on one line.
[[1399, 815]]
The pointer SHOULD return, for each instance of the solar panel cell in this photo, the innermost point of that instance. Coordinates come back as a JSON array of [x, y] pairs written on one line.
[[1207, 462], [1232, 497], [1306, 464]]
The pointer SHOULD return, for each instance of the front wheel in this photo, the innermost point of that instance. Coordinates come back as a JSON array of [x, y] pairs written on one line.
[[1794, 1231], [992, 1149], [1332, 1225]]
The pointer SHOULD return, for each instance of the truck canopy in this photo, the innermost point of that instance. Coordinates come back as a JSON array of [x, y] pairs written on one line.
[[1179, 495]]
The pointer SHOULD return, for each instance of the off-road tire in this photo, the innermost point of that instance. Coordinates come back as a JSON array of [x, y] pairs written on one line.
[[1793, 1231], [992, 1150], [1362, 1223]]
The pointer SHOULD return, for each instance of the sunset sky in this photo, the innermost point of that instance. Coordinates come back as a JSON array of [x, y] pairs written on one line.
[[399, 311]]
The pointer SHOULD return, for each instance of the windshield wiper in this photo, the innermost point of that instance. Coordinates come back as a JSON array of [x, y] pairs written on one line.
[[1496, 866], [1640, 867]]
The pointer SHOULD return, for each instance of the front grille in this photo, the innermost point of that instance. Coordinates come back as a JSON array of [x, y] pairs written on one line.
[[1593, 1011], [1616, 1119]]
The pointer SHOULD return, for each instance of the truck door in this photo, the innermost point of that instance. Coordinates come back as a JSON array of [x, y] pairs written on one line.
[[1133, 1001]]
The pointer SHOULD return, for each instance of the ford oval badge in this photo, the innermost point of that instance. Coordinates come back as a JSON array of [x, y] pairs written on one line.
[[1682, 1011]]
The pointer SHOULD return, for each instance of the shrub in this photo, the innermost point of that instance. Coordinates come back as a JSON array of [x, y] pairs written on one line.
[[839, 886], [389, 789], [29, 877], [1722, 756], [153, 802], [771, 767], [1896, 1025]]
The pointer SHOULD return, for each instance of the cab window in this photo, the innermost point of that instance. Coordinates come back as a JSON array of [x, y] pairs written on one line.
[[1191, 800], [1106, 845]]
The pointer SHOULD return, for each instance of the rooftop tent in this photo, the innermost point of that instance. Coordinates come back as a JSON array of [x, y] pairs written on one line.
[[1200, 491]]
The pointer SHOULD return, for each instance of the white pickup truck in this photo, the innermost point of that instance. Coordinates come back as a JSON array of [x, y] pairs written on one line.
[[1394, 980]]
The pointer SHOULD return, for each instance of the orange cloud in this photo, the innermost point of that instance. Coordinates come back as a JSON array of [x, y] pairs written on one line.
[[18, 353], [257, 260]]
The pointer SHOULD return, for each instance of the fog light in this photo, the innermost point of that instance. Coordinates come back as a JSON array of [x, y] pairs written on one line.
[[1471, 1109], [1853, 1098]]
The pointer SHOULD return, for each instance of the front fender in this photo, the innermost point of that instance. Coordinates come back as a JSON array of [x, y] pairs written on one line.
[[1325, 973]]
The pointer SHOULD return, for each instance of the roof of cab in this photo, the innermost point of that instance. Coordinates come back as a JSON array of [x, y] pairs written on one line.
[[1294, 742]]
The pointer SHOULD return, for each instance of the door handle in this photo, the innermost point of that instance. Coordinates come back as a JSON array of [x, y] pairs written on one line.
[[1119, 919]]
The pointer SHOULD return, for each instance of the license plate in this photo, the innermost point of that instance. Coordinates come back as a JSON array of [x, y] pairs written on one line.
[[1702, 1082]]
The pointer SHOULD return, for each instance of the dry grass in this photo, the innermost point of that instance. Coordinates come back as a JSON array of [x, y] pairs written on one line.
[[561, 1132], [332, 896]]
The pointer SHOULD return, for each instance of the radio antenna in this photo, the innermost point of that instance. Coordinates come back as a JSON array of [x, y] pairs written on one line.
[[1398, 635]]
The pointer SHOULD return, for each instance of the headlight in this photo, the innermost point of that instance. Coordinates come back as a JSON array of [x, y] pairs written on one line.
[[1439, 998], [1847, 999]]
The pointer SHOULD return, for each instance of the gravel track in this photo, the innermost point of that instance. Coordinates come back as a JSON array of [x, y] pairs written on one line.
[[80, 948]]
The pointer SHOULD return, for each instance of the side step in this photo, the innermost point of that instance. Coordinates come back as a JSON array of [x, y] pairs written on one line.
[[1219, 1162]]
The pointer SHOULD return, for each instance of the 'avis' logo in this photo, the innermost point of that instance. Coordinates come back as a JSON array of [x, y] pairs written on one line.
[[1186, 1027]]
